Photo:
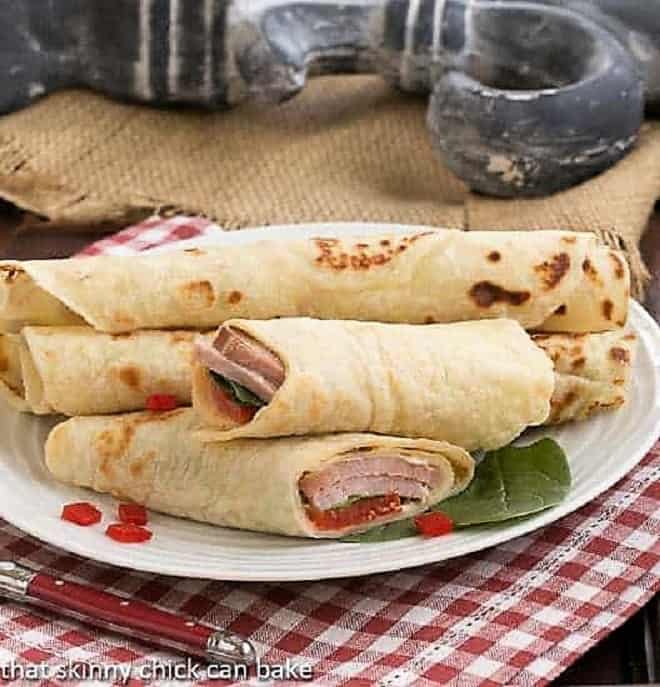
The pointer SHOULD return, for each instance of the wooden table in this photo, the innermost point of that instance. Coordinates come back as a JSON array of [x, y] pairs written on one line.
[[627, 656]]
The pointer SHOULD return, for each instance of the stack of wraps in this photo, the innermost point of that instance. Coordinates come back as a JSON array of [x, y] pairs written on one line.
[[349, 375]]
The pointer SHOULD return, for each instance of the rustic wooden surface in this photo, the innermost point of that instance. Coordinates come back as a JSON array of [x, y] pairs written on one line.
[[628, 656]]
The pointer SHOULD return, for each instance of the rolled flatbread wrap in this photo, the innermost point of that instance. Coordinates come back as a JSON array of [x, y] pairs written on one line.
[[592, 372], [77, 371], [547, 280], [308, 487], [12, 386], [474, 384]]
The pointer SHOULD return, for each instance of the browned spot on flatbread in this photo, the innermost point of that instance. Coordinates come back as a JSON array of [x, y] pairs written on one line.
[[121, 319], [599, 405], [553, 271], [194, 251], [608, 307], [416, 237], [122, 335], [138, 466], [558, 404], [568, 239], [234, 297], [591, 272], [619, 269], [338, 256], [494, 256], [630, 337], [130, 376], [620, 323], [151, 417], [111, 445], [429, 320], [198, 294], [561, 310], [485, 294], [578, 363], [181, 337], [620, 355], [10, 273], [560, 338], [4, 363]]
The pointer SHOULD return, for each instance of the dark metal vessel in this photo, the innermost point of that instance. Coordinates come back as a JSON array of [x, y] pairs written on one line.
[[527, 96]]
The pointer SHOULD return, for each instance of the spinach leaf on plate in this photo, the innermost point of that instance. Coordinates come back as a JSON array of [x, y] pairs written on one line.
[[508, 483]]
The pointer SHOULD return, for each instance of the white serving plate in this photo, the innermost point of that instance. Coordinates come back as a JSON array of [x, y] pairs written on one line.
[[601, 451]]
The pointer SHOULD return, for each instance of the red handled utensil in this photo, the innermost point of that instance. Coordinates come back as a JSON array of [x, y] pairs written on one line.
[[133, 618]]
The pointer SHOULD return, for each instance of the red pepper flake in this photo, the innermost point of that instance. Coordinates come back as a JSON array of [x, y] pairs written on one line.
[[126, 533], [132, 514], [162, 402], [434, 524], [83, 514]]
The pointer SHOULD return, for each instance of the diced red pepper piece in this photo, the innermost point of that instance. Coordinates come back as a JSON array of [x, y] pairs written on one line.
[[237, 412], [132, 513], [162, 402], [126, 533], [362, 511], [434, 524], [83, 514]]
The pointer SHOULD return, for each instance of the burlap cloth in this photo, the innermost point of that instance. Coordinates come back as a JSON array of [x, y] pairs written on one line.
[[346, 149]]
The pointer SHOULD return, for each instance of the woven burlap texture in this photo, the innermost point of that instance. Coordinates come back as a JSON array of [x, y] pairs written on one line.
[[347, 148]]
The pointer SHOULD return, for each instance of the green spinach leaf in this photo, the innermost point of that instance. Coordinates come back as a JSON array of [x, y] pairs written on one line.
[[509, 483], [239, 393]]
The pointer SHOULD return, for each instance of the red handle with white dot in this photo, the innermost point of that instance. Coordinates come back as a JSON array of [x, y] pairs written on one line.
[[128, 617], [133, 618]]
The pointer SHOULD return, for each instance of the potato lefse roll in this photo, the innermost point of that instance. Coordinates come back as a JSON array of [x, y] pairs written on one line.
[[549, 280], [474, 384], [321, 487], [592, 372], [77, 371]]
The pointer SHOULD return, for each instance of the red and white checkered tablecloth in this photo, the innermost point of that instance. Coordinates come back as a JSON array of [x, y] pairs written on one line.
[[517, 614]]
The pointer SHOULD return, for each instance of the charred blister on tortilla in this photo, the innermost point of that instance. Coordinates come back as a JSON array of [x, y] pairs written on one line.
[[367, 254]]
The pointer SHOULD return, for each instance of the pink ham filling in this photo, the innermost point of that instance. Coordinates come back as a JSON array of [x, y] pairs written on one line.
[[239, 358], [367, 476]]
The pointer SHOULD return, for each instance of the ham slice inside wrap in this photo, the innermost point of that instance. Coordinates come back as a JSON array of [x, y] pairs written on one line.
[[389, 473], [239, 358]]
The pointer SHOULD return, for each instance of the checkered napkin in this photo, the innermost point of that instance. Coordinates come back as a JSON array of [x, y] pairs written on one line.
[[516, 614]]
